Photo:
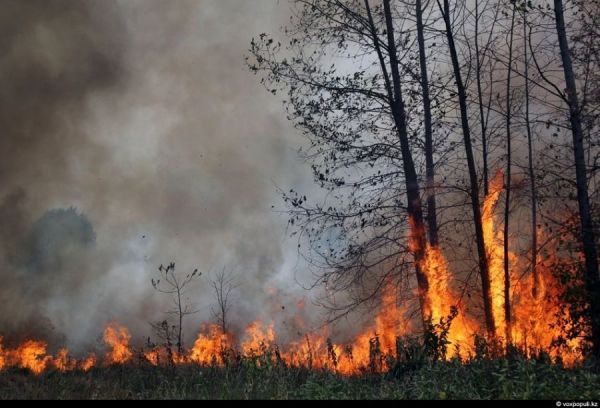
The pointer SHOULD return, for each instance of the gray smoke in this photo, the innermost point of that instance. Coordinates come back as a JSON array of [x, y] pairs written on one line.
[[134, 135]]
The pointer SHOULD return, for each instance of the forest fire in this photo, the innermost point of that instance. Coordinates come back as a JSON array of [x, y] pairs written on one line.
[[535, 325]]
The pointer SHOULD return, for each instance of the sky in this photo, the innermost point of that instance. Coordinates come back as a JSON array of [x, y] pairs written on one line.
[[142, 117]]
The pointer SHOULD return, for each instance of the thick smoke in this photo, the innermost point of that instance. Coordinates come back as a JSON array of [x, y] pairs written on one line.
[[133, 135]]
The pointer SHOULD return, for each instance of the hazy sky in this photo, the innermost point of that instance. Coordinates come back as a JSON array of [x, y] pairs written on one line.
[[143, 115]]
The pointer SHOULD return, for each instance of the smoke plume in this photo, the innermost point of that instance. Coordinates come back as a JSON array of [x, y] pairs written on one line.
[[134, 135]]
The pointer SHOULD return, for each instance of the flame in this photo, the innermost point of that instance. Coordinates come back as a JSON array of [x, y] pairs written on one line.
[[495, 250], [210, 347], [63, 362], [258, 338], [2, 357], [88, 363], [536, 322], [154, 356], [117, 337], [441, 300], [31, 355]]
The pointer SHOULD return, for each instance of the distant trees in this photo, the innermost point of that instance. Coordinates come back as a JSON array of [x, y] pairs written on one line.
[[402, 100]]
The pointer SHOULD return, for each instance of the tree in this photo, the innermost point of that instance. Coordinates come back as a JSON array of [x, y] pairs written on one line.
[[530, 166], [484, 107], [474, 181], [585, 214], [176, 286], [413, 195], [509, 107], [223, 284], [432, 223], [359, 125]]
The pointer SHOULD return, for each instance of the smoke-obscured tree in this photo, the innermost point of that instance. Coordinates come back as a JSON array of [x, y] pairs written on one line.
[[170, 283], [223, 285]]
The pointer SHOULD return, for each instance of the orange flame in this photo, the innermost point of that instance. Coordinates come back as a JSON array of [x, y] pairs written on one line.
[[154, 356], [117, 337], [536, 321], [258, 338], [495, 250], [63, 362], [32, 355], [2, 355], [210, 347], [88, 363]]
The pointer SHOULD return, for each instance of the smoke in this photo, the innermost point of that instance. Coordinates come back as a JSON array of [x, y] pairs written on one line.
[[134, 135]]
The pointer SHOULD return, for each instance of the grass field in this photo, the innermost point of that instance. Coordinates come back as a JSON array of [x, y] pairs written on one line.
[[504, 379]]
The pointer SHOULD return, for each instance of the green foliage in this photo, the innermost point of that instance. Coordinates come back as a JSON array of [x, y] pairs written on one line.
[[510, 378]]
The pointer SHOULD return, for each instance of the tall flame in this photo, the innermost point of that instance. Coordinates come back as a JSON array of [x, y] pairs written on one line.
[[495, 250]]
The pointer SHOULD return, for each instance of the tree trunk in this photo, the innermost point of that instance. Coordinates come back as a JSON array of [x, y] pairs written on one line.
[[534, 244], [480, 99], [415, 208], [180, 327], [507, 314], [587, 230], [429, 163], [474, 186]]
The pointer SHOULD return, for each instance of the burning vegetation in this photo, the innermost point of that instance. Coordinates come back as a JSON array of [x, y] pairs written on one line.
[[537, 327], [436, 215]]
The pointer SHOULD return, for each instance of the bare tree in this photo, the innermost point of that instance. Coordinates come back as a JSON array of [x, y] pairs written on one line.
[[223, 285], [176, 286]]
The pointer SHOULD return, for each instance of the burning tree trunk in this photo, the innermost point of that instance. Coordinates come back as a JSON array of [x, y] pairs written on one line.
[[474, 182], [414, 207], [585, 215]]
